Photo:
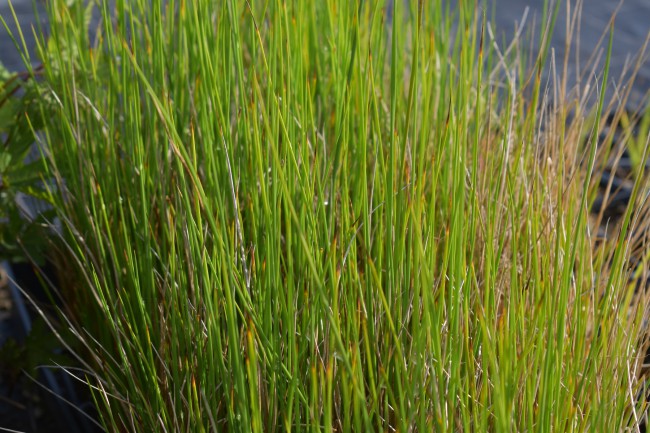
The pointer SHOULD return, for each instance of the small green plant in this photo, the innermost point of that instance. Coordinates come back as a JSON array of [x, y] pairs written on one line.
[[22, 229], [39, 348]]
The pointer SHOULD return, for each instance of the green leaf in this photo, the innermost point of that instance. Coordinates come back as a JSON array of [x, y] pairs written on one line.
[[8, 111], [12, 355], [41, 347], [23, 175], [5, 160], [5, 74]]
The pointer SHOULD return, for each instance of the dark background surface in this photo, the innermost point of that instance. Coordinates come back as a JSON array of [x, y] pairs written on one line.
[[631, 30]]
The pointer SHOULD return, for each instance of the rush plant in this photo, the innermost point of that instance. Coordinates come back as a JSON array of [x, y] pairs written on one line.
[[332, 216]]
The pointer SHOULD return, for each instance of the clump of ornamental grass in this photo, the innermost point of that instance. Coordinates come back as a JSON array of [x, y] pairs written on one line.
[[332, 215]]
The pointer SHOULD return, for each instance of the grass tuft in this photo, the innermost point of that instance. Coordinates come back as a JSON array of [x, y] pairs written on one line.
[[333, 215]]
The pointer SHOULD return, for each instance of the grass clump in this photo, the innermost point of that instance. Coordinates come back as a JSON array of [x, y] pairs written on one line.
[[332, 215]]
